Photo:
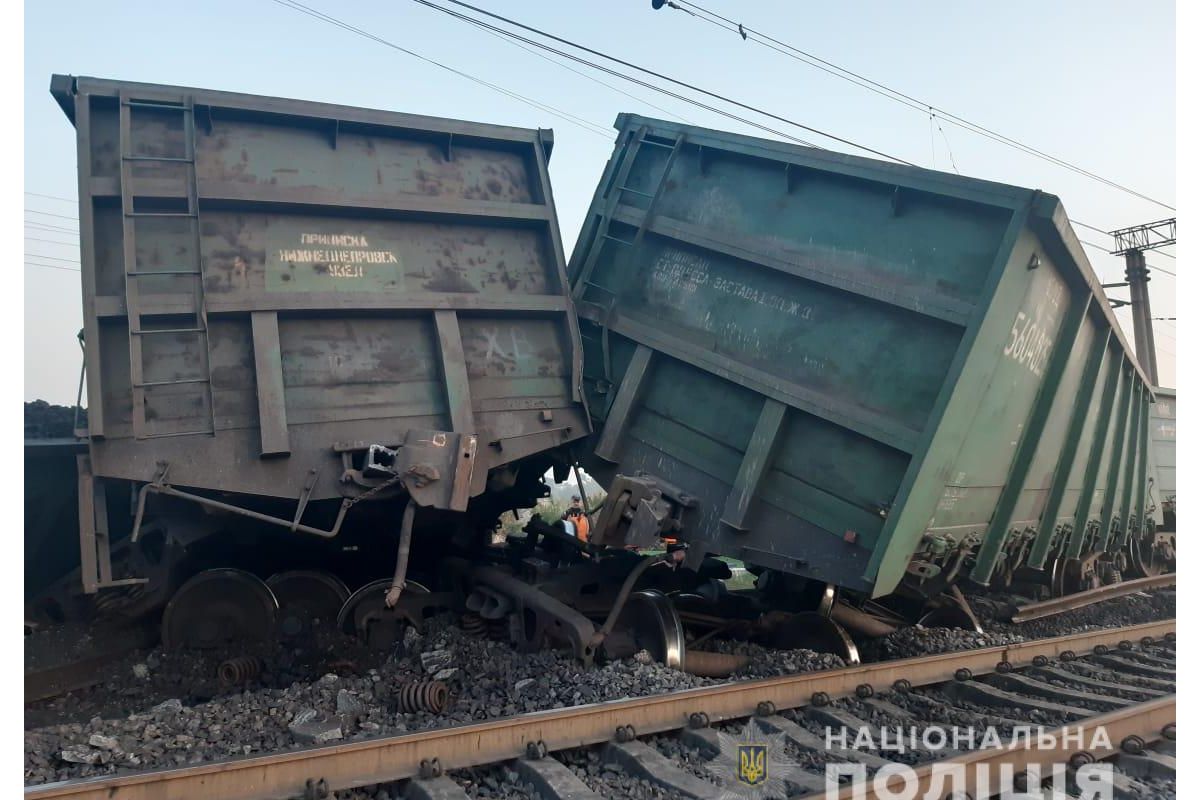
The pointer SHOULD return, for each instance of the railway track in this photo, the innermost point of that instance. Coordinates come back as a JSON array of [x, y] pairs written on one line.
[[1121, 680], [1070, 602]]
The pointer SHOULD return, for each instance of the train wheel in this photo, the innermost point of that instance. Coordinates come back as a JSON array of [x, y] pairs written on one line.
[[1080, 575], [364, 611], [218, 607], [1152, 553], [306, 597], [1057, 588], [650, 620]]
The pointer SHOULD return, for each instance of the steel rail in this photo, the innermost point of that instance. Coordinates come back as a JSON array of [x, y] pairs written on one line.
[[1070, 602], [363, 763], [1145, 720]]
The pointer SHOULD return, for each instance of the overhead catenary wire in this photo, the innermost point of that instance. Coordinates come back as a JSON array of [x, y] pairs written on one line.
[[582, 74], [52, 197], [51, 266], [37, 226], [1104, 249], [646, 71], [52, 258], [932, 110], [48, 214], [746, 32], [295, 5], [549, 109], [51, 241]]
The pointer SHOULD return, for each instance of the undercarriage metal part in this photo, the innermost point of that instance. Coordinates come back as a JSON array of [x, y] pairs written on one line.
[[218, 607], [810, 631], [649, 622], [540, 618], [473, 624], [365, 615], [1152, 553], [859, 621], [306, 597], [951, 611], [639, 511], [706, 664], [429, 696], [239, 670]]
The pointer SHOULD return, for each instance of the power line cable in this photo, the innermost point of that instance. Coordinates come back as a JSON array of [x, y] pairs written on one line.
[[582, 74], [52, 258], [510, 34], [564, 115], [647, 71], [1105, 250], [37, 226], [325, 17], [896, 95], [51, 241], [52, 197], [50, 266], [637, 81], [48, 214]]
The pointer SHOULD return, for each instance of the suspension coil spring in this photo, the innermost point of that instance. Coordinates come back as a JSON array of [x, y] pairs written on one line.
[[239, 670], [430, 696], [473, 624]]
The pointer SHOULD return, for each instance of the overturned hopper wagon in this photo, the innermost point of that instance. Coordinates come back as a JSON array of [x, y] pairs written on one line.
[[294, 311], [856, 373]]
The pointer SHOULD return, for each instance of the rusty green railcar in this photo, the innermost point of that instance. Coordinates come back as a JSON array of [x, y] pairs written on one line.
[[864, 374], [292, 306]]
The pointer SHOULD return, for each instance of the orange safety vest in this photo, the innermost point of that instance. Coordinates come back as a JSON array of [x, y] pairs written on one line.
[[581, 523]]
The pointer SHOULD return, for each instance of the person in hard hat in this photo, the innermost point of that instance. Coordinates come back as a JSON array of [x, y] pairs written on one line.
[[578, 519]]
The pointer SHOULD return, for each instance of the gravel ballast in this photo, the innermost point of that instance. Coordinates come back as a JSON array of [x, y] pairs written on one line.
[[155, 709]]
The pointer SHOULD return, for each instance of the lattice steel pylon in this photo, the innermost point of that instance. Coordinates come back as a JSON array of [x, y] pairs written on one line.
[[1133, 242]]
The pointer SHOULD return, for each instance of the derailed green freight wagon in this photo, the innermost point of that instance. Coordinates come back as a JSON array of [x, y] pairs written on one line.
[[853, 371]]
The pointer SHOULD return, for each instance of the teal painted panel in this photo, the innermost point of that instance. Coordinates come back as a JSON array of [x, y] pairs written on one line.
[[1031, 504], [1075, 483], [1035, 301]]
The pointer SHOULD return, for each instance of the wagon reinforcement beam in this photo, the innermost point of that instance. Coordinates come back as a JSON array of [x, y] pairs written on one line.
[[364, 763]]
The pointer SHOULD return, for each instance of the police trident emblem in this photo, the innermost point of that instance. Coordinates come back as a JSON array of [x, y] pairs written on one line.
[[752, 764]]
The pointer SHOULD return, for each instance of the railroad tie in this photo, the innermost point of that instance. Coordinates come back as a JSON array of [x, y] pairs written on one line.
[[990, 695], [1167, 686], [837, 717], [1149, 660], [939, 707], [1147, 765], [890, 709], [805, 739], [1027, 685], [553, 780], [1095, 683], [440, 788], [644, 761], [1116, 662], [703, 739]]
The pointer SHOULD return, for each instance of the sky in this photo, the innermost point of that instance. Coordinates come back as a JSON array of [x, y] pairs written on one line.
[[1088, 82]]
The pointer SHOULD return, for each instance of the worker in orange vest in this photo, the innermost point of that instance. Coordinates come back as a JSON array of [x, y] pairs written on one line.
[[576, 516]]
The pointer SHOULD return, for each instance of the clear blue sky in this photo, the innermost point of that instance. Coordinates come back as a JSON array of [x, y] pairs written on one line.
[[1057, 76]]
